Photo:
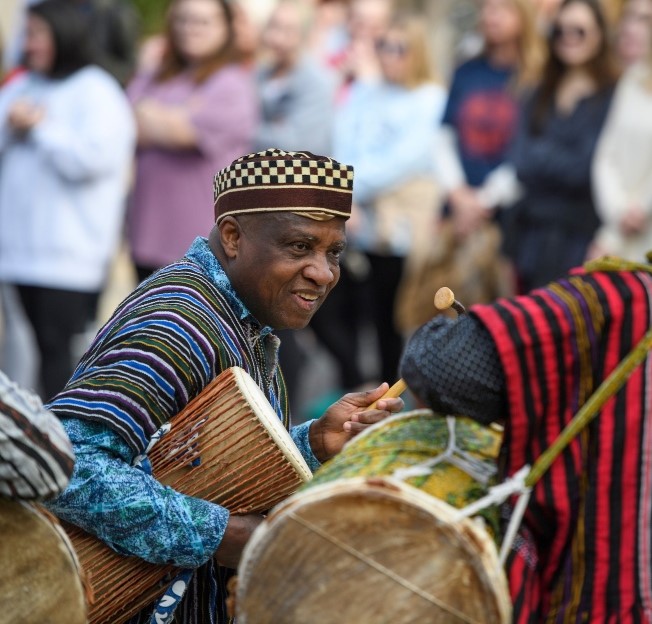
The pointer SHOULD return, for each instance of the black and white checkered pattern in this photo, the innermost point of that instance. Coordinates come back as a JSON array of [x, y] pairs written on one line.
[[276, 167]]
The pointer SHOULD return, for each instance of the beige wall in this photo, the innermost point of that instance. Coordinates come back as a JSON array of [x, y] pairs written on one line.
[[8, 19]]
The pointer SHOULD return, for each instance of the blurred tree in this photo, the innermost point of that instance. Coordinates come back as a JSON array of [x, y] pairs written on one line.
[[152, 13]]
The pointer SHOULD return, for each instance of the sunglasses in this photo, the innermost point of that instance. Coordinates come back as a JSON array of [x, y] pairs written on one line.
[[393, 48], [577, 33]]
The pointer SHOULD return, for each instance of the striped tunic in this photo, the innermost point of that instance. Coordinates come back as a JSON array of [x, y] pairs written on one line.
[[586, 549], [36, 457], [161, 347]]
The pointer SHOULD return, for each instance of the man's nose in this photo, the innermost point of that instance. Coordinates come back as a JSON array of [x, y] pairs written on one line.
[[319, 270]]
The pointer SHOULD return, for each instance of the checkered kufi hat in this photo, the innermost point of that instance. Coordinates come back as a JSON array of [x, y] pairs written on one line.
[[276, 181]]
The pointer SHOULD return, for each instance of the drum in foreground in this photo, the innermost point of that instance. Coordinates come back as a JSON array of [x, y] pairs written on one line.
[[359, 545], [228, 446], [39, 575], [465, 453]]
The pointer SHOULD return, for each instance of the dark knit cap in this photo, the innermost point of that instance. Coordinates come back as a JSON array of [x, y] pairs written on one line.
[[276, 181]]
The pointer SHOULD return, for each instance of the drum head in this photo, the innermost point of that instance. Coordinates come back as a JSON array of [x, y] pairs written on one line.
[[369, 551], [39, 576], [272, 423]]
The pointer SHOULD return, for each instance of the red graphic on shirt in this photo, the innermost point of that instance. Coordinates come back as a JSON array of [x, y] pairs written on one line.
[[487, 123]]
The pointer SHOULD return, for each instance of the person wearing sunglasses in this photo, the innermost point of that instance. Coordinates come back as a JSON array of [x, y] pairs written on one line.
[[387, 131], [551, 226]]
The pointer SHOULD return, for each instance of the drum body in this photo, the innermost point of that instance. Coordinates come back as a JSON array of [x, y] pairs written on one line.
[[227, 446], [359, 545], [40, 575], [400, 443]]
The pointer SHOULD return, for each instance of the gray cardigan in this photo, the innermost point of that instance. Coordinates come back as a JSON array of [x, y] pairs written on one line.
[[297, 111]]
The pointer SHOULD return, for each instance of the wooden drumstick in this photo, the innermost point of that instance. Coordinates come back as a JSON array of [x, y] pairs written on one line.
[[444, 299], [393, 393]]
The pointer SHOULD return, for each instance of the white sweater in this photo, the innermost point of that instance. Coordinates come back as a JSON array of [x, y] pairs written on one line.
[[63, 186], [622, 167]]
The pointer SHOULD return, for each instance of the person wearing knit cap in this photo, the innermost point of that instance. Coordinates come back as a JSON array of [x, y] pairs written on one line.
[[532, 363], [268, 263]]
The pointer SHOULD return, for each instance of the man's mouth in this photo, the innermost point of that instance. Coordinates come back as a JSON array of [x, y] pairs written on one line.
[[307, 300], [308, 296]]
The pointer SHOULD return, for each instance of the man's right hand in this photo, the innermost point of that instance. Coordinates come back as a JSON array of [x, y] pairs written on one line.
[[237, 534]]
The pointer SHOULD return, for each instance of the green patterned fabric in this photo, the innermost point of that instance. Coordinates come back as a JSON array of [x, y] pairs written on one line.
[[411, 439]]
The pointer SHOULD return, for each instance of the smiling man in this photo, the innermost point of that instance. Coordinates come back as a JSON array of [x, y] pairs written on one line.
[[269, 263]]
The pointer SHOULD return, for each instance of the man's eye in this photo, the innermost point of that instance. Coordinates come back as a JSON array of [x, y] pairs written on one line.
[[299, 246], [336, 253]]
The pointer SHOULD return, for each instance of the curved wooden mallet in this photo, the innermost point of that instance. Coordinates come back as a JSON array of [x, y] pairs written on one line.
[[444, 299]]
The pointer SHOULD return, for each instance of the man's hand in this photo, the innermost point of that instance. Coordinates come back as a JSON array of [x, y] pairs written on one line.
[[348, 417], [237, 534]]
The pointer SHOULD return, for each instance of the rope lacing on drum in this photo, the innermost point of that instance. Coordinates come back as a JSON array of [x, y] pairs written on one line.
[[139, 460], [497, 495], [379, 567], [481, 471]]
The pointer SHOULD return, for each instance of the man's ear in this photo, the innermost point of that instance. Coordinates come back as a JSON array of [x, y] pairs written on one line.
[[230, 234]]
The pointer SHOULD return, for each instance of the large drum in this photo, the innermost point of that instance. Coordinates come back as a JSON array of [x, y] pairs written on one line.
[[227, 446], [375, 537], [40, 579]]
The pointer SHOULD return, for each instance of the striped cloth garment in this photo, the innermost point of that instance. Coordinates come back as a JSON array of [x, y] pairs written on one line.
[[585, 550], [36, 457], [161, 347]]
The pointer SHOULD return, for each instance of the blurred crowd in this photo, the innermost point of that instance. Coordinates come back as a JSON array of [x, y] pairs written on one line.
[[523, 153]]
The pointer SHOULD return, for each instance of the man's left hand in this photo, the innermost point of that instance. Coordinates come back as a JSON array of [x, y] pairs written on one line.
[[347, 417]]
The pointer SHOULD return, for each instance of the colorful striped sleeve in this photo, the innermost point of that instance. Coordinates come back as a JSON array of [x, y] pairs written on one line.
[[160, 350]]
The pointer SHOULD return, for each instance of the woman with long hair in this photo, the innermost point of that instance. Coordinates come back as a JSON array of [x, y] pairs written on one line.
[[482, 110], [622, 183], [66, 144], [387, 132], [554, 222], [196, 112]]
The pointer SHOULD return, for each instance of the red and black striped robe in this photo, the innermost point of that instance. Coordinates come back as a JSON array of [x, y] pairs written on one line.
[[587, 552]]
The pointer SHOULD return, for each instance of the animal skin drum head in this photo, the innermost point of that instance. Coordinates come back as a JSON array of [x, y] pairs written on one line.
[[370, 551], [39, 576]]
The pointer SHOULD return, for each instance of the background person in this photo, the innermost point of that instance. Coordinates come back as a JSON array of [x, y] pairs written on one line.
[[622, 185], [196, 111], [66, 143], [633, 32], [387, 131], [297, 96], [481, 114], [553, 224], [357, 60]]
